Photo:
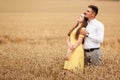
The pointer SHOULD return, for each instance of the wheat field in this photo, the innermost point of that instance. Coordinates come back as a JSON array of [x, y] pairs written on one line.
[[33, 39]]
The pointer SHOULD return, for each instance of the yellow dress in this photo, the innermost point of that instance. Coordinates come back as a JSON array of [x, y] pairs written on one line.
[[76, 60]]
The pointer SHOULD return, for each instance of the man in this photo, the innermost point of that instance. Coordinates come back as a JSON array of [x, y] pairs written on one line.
[[94, 37]]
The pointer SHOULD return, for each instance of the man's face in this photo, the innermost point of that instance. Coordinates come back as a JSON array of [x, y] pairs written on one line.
[[89, 13]]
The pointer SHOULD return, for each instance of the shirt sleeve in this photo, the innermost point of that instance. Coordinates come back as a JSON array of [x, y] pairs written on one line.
[[99, 36]]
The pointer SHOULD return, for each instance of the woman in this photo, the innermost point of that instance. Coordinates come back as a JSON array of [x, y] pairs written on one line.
[[75, 55]]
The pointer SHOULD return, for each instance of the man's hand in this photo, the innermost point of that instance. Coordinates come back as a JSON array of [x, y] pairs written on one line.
[[83, 31]]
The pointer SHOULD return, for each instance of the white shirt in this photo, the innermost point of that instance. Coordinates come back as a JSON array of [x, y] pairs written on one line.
[[96, 34]]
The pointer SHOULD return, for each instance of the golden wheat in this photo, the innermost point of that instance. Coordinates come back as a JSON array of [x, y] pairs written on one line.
[[33, 40]]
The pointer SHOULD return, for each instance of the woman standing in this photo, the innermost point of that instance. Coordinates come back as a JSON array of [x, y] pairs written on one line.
[[75, 55]]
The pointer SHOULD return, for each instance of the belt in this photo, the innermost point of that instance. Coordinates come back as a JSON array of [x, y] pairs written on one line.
[[90, 50]]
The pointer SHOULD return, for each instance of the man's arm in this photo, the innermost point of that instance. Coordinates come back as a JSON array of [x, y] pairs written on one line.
[[99, 36]]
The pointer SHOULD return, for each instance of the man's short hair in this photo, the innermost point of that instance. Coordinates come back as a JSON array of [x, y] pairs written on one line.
[[94, 8]]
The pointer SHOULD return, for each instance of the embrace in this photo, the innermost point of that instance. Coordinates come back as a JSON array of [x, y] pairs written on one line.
[[84, 41]]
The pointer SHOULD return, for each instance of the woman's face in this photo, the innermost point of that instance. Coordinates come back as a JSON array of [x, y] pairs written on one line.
[[81, 18]]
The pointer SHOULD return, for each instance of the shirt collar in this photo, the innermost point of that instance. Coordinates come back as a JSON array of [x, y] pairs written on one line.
[[91, 21]]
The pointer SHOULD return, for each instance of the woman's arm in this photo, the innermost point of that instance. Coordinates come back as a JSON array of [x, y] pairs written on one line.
[[67, 56], [79, 41], [68, 41]]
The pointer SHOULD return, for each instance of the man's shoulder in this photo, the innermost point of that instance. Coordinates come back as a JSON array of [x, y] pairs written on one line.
[[97, 22]]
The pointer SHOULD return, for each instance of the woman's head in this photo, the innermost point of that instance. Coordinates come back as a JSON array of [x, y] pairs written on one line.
[[83, 21], [81, 18]]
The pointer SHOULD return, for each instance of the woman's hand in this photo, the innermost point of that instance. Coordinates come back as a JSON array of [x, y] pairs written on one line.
[[67, 57], [72, 47]]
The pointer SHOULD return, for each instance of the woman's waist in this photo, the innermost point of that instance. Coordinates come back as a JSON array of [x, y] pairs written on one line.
[[73, 43]]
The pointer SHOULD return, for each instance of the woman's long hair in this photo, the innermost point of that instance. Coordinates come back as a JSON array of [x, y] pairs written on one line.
[[84, 24]]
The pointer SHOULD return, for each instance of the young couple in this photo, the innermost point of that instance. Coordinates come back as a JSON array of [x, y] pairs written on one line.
[[84, 41]]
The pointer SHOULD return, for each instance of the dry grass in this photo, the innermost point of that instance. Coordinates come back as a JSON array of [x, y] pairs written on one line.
[[33, 40]]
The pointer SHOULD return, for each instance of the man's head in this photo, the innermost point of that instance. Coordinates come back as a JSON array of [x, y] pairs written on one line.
[[92, 11]]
